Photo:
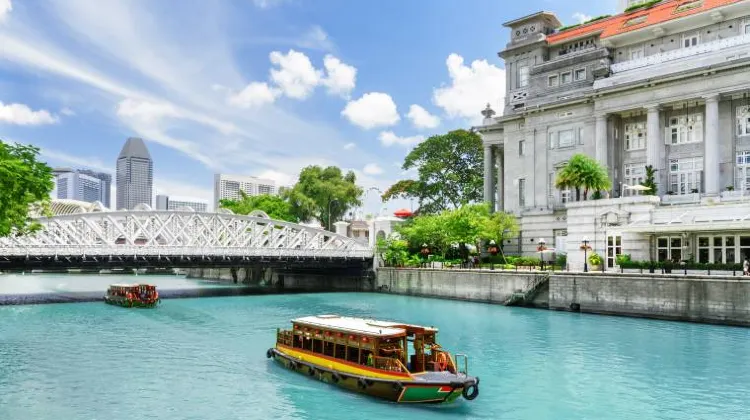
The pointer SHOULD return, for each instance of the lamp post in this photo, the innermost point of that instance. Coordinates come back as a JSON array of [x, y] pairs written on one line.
[[493, 251], [329, 212], [542, 246], [425, 253], [585, 246]]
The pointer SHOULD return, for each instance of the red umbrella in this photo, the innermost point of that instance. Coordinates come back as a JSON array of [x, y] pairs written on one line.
[[402, 213]]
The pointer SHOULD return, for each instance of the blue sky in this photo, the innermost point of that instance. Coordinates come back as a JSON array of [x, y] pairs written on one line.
[[255, 87]]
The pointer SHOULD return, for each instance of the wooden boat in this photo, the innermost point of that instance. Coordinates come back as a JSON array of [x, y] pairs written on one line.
[[132, 295], [390, 360]]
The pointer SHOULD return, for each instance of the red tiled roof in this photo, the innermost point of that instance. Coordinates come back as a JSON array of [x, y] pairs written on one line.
[[615, 25]]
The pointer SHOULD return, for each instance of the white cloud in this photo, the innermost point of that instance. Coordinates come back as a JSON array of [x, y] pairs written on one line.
[[340, 77], [282, 179], [372, 169], [388, 138], [372, 110], [5, 8], [253, 95], [471, 88], [349, 146], [421, 118], [67, 112], [316, 38], [266, 4], [58, 158], [20, 114], [296, 75], [145, 111], [581, 17]]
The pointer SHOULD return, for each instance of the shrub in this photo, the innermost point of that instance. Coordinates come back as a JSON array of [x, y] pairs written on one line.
[[595, 259], [561, 260]]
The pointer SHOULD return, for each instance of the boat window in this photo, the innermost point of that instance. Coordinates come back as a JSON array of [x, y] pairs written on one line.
[[363, 357], [297, 341], [340, 351], [352, 354], [328, 348], [317, 346]]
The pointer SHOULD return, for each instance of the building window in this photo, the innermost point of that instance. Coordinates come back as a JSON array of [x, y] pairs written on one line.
[[743, 120], [725, 249], [636, 20], [566, 138], [523, 76], [634, 174], [522, 192], [521, 148], [551, 188], [685, 129], [552, 81], [688, 5], [742, 180], [580, 75], [691, 40], [636, 52], [685, 175], [614, 248], [566, 77], [669, 248], [744, 248], [580, 136], [635, 136], [745, 27]]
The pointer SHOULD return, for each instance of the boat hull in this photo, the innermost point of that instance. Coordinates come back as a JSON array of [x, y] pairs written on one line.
[[384, 385], [130, 303]]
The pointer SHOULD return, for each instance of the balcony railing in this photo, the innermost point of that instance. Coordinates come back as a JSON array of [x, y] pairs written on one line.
[[664, 57]]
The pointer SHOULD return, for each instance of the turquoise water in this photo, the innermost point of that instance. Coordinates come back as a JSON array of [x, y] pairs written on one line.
[[205, 359]]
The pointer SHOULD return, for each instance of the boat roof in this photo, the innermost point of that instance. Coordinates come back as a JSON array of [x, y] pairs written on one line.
[[360, 325], [129, 285]]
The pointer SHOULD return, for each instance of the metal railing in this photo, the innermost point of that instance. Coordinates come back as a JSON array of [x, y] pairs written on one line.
[[389, 364]]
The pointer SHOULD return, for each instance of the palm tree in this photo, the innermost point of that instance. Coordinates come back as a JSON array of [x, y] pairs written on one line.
[[582, 172]]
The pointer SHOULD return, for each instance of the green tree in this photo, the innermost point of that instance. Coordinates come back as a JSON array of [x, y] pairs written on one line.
[[449, 172], [583, 173], [426, 229], [650, 181], [274, 206], [25, 183], [323, 193]]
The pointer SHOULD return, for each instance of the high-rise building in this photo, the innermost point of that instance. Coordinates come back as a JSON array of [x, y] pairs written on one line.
[[83, 185], [165, 202], [229, 186], [135, 175]]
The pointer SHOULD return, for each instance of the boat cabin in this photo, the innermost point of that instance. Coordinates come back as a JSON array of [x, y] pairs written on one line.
[[381, 345]]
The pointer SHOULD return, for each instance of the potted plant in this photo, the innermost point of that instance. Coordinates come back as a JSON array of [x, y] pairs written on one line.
[[668, 266], [595, 261]]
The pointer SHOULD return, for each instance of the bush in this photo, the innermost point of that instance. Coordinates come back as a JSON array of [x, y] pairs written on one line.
[[595, 259], [561, 260]]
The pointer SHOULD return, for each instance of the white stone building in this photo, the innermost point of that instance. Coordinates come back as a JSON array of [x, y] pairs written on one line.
[[229, 187], [666, 85], [166, 202]]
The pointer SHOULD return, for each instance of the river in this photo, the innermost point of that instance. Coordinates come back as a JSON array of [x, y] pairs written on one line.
[[205, 359]]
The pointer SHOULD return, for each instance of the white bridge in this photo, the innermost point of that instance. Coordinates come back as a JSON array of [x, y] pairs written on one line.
[[93, 236]]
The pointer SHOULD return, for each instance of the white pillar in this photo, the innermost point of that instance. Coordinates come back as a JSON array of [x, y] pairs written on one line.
[[489, 181], [341, 228], [500, 187], [711, 144], [601, 141], [654, 142]]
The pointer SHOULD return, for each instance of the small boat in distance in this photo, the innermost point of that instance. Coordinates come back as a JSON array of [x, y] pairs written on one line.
[[132, 295], [395, 361]]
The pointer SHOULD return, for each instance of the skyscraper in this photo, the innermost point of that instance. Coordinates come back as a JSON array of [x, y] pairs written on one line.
[[165, 202], [83, 184], [135, 175], [229, 187]]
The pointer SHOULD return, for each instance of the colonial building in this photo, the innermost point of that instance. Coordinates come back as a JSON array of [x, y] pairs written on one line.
[[664, 84]]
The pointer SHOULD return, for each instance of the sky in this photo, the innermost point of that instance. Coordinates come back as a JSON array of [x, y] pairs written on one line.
[[253, 87]]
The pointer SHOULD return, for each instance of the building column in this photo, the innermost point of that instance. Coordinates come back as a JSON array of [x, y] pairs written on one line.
[[601, 141], [500, 187], [489, 180], [711, 144], [654, 142]]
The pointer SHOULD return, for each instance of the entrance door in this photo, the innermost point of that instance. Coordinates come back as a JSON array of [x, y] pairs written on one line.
[[614, 248]]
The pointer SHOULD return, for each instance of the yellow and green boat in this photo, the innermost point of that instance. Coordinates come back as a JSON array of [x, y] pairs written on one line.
[[390, 360]]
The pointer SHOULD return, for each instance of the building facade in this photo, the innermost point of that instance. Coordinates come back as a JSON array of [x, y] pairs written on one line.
[[135, 175], [165, 202], [228, 187], [83, 185], [666, 86]]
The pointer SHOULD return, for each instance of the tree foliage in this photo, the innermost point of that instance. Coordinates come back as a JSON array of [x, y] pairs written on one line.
[[583, 173], [276, 207], [320, 189], [449, 172], [650, 181], [24, 183]]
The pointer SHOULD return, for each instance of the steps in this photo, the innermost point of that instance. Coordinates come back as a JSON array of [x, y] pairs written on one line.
[[526, 296]]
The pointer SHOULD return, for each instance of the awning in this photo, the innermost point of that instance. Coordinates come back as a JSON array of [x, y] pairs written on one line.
[[708, 226]]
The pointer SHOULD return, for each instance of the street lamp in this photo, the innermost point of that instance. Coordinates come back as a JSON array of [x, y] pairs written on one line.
[[541, 248], [425, 253], [585, 247], [329, 212], [493, 251]]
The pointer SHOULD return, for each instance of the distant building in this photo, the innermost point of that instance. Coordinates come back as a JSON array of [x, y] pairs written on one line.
[[83, 185], [135, 175], [164, 202], [229, 186]]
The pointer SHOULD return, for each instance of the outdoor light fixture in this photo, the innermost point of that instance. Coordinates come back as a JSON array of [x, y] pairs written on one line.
[[585, 247]]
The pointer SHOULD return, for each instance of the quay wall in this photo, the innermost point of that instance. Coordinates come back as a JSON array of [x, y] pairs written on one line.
[[470, 285], [311, 280], [707, 299]]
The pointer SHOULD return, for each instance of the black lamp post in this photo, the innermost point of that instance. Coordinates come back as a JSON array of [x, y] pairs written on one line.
[[585, 246], [541, 248], [493, 251]]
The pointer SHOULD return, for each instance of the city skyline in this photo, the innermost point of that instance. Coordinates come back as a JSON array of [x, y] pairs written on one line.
[[291, 83]]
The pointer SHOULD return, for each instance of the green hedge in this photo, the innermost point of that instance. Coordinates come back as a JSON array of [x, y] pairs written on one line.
[[646, 5]]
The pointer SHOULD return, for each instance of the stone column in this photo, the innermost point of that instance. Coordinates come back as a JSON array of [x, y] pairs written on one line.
[[601, 141], [489, 180], [654, 142], [499, 158], [711, 144]]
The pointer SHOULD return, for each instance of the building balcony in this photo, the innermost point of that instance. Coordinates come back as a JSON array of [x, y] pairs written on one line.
[[682, 198], [710, 54]]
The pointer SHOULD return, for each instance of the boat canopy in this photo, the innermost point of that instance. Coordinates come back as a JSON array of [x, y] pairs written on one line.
[[364, 326]]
